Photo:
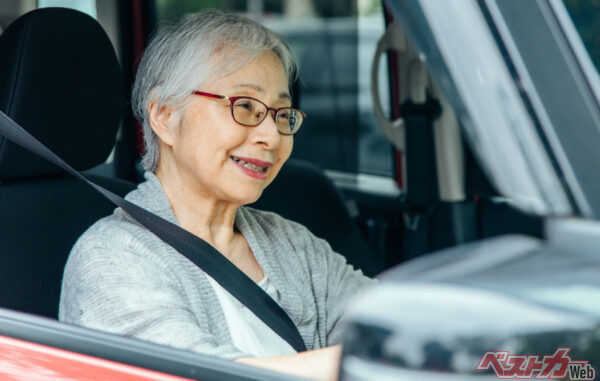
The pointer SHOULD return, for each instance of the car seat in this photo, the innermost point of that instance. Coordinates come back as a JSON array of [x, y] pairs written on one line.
[[61, 81]]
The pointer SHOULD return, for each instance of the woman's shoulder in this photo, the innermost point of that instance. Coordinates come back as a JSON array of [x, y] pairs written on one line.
[[120, 232], [113, 239], [117, 229], [283, 235]]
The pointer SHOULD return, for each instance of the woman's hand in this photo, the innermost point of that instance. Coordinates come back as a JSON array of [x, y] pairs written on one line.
[[321, 364]]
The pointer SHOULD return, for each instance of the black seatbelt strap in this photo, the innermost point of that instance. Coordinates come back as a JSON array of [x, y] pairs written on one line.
[[421, 175], [200, 252]]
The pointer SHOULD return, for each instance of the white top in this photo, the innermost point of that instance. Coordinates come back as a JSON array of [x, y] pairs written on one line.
[[248, 332]]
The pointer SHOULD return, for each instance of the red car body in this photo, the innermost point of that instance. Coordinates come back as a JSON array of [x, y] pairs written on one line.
[[23, 360]]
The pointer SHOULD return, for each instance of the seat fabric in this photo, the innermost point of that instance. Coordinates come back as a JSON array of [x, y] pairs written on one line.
[[40, 220], [60, 80]]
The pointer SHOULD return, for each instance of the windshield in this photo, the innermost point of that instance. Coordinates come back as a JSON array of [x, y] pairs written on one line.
[[480, 87], [526, 92]]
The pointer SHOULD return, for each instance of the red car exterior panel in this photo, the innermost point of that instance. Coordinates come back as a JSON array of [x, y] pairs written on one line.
[[23, 360]]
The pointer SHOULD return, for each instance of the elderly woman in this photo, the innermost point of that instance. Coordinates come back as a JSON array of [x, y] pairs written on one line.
[[213, 96]]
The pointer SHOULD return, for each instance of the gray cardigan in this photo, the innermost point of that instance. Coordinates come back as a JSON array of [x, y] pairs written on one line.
[[122, 279]]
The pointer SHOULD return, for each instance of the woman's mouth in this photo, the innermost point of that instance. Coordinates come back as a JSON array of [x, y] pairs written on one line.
[[254, 168]]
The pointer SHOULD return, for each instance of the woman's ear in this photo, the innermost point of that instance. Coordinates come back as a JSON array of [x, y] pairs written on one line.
[[163, 120]]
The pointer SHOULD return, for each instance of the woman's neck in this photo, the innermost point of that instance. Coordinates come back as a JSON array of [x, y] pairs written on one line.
[[208, 218], [212, 220]]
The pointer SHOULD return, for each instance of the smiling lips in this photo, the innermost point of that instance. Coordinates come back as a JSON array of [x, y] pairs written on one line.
[[252, 167]]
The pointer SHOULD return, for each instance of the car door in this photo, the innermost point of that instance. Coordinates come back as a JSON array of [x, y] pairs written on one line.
[[38, 348]]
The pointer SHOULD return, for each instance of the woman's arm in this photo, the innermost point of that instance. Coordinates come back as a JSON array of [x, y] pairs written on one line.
[[320, 364], [341, 282]]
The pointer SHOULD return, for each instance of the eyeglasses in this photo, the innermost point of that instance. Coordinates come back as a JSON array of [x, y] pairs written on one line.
[[251, 112]]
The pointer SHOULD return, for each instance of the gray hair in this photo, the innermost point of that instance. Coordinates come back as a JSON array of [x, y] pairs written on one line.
[[199, 49]]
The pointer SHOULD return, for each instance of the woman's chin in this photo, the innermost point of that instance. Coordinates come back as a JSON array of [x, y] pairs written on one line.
[[248, 197]]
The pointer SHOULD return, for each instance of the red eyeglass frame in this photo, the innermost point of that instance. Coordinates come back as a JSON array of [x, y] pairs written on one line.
[[232, 100]]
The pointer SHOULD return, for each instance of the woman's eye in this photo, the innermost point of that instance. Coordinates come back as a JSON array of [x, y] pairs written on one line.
[[245, 105]]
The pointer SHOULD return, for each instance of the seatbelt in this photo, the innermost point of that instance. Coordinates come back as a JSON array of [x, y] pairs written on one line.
[[421, 175], [200, 252]]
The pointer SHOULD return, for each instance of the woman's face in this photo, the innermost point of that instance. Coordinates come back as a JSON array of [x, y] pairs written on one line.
[[209, 148]]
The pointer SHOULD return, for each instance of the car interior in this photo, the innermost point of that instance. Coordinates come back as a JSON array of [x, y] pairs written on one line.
[[62, 80], [74, 103]]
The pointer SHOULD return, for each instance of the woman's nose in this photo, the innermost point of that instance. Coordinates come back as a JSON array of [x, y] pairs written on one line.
[[266, 132]]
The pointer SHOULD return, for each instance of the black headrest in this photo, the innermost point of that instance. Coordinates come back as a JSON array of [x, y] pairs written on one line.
[[61, 81]]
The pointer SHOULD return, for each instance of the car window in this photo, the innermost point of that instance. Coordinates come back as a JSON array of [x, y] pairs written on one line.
[[104, 11], [334, 42], [585, 14], [10, 10], [85, 6]]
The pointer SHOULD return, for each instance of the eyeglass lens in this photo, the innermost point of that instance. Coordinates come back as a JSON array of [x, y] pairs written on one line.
[[250, 112]]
